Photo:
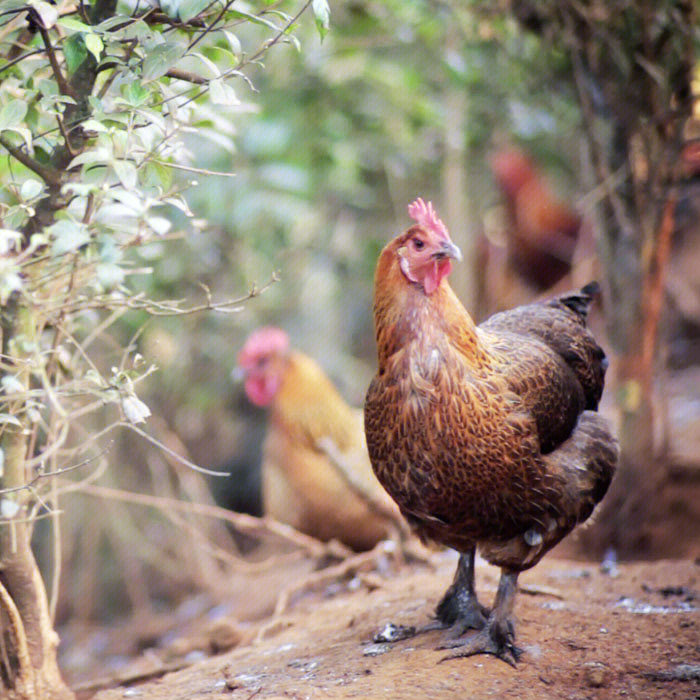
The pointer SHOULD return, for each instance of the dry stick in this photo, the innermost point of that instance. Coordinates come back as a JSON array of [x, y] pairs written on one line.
[[242, 521], [330, 573], [130, 677], [654, 289]]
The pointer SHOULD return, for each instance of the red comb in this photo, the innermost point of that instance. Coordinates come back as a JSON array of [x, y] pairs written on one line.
[[425, 215]]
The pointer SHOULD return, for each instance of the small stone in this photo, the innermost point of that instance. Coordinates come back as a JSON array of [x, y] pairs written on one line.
[[595, 674], [394, 633], [223, 635], [375, 649]]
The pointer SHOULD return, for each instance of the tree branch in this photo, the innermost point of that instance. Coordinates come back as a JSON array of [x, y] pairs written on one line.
[[63, 85], [186, 75], [48, 175]]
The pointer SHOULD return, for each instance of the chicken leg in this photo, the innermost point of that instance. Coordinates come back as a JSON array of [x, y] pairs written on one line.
[[497, 636], [459, 607]]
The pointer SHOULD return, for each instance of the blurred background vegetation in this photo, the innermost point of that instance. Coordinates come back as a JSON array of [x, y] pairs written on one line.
[[344, 134]]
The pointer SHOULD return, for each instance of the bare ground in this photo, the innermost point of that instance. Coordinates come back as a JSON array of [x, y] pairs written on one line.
[[586, 634]]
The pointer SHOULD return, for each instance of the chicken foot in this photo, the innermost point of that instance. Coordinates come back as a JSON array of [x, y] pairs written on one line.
[[459, 608], [497, 637]]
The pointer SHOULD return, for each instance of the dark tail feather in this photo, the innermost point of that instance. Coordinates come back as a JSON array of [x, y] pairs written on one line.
[[579, 301]]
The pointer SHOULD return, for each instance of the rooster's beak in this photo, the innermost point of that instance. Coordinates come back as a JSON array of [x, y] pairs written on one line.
[[448, 250]]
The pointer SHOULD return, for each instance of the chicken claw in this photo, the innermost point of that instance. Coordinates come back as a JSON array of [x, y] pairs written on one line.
[[496, 638]]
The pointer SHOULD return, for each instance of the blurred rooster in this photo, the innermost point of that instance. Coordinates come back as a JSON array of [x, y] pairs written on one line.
[[542, 231], [486, 436], [316, 474]]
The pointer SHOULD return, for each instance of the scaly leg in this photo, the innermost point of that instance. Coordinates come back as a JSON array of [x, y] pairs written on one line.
[[459, 607], [498, 636]]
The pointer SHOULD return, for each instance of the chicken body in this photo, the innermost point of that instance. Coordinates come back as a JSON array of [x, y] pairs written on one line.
[[486, 436], [543, 231], [311, 429]]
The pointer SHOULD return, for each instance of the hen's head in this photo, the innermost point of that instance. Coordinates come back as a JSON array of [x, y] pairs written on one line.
[[261, 362], [423, 252], [512, 168]]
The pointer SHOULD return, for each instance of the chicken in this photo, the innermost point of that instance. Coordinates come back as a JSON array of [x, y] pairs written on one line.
[[542, 232], [486, 436], [316, 474]]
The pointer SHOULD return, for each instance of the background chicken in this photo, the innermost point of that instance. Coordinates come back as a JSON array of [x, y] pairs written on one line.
[[542, 232], [485, 436], [316, 474]]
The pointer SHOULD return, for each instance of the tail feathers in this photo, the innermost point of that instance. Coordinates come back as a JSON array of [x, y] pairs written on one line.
[[579, 302], [579, 472], [587, 463]]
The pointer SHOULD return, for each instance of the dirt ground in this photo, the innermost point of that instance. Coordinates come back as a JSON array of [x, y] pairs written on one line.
[[628, 630]]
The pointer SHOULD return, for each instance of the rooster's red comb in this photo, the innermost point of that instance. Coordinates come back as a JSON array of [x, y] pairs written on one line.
[[424, 214]]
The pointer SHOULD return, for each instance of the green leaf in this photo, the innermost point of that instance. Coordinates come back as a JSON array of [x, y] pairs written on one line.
[[135, 93], [30, 189], [322, 13], [157, 175], [126, 172], [68, 236], [99, 155], [75, 52], [160, 60], [25, 134], [255, 19], [222, 94], [94, 45], [110, 275], [191, 8], [48, 14], [233, 42], [12, 114], [75, 24]]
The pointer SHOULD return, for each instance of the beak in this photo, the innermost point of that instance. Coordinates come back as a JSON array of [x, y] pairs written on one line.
[[238, 374], [448, 250]]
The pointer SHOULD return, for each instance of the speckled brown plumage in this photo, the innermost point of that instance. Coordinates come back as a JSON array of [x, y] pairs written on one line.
[[486, 435]]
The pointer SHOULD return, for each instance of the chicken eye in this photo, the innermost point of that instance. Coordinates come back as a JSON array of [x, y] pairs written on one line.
[[418, 244]]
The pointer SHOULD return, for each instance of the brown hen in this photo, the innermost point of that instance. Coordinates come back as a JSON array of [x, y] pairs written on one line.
[[486, 436], [542, 231], [316, 474]]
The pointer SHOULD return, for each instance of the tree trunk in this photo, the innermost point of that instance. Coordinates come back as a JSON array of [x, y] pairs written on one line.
[[454, 185], [28, 643], [631, 65]]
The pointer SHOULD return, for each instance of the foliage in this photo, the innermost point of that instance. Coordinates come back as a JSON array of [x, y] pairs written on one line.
[[94, 101], [347, 132]]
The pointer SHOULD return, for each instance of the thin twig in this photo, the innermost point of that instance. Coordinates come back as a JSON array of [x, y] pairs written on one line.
[[172, 453], [58, 472], [19, 58], [210, 26], [241, 521], [191, 169]]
